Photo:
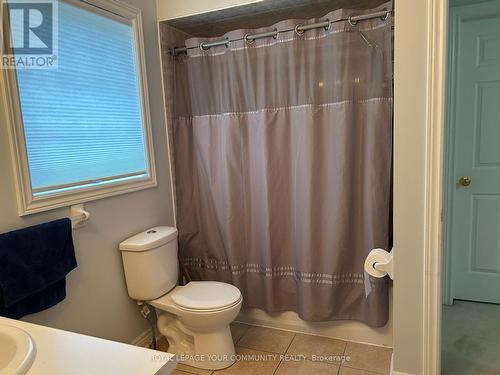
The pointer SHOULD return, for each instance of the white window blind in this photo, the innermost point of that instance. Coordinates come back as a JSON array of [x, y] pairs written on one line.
[[83, 122]]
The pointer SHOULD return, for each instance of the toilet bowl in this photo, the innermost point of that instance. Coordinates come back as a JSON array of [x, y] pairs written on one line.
[[195, 320], [195, 317]]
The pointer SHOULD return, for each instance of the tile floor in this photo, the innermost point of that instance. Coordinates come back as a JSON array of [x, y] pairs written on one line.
[[311, 355], [471, 339]]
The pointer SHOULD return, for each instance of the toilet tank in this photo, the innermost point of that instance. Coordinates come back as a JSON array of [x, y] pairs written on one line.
[[150, 263]]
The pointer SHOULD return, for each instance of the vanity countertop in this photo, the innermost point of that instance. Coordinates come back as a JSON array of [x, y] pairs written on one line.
[[63, 352]]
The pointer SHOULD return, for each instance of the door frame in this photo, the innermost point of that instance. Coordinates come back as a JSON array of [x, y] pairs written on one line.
[[435, 184], [419, 135], [449, 158], [441, 136]]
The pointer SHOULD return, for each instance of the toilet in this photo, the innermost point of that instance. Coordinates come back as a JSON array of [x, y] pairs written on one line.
[[195, 317]]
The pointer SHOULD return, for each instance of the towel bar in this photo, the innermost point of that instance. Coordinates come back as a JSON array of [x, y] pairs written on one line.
[[78, 216]]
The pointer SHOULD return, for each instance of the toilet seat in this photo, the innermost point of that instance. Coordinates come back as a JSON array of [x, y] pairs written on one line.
[[205, 296], [215, 310], [200, 297]]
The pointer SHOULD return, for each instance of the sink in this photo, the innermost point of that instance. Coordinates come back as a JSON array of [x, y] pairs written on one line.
[[17, 350]]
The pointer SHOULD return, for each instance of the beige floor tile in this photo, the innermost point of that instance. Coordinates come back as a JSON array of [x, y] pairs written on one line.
[[179, 372], [238, 330], [354, 371], [192, 370], [252, 362], [305, 367], [318, 349], [368, 357], [266, 339]]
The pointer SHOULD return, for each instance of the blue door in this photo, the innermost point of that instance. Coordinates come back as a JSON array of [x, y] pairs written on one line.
[[475, 181]]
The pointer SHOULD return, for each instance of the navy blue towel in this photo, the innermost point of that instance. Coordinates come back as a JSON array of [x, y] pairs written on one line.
[[34, 262]]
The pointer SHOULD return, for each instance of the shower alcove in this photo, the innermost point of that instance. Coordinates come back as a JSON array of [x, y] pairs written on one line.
[[214, 23]]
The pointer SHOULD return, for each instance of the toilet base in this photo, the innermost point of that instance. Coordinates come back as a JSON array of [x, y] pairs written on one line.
[[209, 350]]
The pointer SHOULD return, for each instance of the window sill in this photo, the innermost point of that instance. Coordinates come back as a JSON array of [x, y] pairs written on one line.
[[31, 205]]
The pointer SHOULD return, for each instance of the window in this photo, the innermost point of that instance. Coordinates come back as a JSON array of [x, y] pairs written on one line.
[[81, 130]]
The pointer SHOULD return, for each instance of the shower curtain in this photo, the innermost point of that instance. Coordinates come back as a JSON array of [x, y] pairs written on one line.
[[282, 160]]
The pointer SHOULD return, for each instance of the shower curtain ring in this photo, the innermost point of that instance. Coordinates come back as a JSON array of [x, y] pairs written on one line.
[[247, 38], [327, 28], [203, 48], [298, 31], [386, 16], [351, 22]]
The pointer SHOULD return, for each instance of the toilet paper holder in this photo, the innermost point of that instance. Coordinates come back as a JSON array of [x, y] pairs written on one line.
[[379, 263]]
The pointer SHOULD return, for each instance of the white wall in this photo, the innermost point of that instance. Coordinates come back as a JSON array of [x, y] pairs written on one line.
[[97, 302], [169, 9]]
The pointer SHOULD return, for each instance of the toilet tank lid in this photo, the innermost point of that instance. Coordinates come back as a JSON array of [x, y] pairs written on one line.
[[149, 239]]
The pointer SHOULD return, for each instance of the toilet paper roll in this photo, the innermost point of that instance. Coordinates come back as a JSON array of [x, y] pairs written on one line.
[[376, 256]]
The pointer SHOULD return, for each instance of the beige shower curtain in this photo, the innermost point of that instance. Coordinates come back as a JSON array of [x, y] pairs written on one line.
[[282, 155]]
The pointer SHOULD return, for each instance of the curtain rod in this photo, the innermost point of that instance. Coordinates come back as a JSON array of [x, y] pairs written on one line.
[[299, 29]]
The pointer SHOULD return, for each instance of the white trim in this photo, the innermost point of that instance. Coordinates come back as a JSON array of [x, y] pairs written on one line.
[[420, 55], [168, 11], [447, 291], [27, 203], [436, 104], [144, 339], [169, 141]]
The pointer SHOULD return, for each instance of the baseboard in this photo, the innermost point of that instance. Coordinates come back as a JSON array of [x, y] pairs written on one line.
[[392, 372], [144, 339]]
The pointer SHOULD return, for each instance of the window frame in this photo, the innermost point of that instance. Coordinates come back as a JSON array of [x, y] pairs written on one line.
[[28, 203]]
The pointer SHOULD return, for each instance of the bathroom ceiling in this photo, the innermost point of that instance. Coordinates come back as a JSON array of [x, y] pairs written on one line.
[[262, 14]]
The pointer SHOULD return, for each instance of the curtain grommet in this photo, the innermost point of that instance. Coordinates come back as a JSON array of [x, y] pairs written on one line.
[[247, 39], [327, 28], [386, 16], [351, 22], [203, 48], [275, 36], [297, 31]]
